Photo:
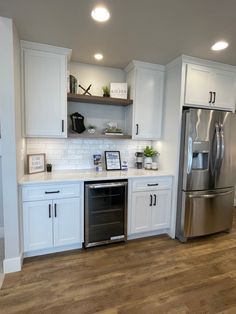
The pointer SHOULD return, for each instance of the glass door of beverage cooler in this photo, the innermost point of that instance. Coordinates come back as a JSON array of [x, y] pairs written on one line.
[[105, 212]]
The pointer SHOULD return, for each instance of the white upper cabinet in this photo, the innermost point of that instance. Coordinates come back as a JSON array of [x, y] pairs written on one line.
[[44, 70], [210, 87], [146, 84], [198, 85], [224, 87]]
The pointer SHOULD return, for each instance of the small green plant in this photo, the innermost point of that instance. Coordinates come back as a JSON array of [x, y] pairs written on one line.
[[91, 127], [149, 151], [106, 91]]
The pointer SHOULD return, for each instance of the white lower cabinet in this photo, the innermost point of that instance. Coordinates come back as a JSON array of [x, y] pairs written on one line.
[[66, 221], [51, 220], [50, 224], [141, 212], [161, 210], [150, 205], [38, 231]]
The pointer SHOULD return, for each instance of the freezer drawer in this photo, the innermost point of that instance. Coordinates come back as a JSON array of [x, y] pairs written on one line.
[[206, 212]]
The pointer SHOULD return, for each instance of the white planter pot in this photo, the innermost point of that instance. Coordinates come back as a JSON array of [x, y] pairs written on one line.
[[148, 163]]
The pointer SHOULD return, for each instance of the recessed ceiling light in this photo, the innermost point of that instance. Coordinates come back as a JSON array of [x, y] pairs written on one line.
[[220, 45], [100, 14], [98, 56]]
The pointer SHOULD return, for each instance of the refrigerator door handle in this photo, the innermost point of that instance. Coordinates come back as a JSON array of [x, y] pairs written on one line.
[[190, 155], [222, 149], [217, 132], [210, 195]]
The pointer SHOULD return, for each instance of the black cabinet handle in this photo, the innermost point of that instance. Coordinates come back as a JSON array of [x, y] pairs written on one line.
[[152, 184], [210, 98], [49, 211], [155, 200], [150, 200], [214, 99], [52, 192], [62, 126], [137, 129], [55, 210]]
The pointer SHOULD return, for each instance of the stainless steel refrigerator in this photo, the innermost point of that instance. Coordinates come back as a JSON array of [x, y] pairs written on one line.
[[206, 191]]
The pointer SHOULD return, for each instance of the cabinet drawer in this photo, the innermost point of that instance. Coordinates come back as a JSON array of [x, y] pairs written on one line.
[[55, 191], [152, 183]]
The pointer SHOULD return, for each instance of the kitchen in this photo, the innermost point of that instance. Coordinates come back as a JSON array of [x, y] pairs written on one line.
[[157, 124]]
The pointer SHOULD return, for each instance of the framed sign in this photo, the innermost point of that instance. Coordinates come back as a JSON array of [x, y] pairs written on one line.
[[112, 159], [35, 163]]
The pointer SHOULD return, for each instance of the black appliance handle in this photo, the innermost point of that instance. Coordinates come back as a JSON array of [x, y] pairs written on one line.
[[152, 184], [137, 126], [62, 126]]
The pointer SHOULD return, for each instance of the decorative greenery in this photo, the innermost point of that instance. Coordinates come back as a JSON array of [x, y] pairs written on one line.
[[149, 151], [92, 127], [113, 130], [106, 91]]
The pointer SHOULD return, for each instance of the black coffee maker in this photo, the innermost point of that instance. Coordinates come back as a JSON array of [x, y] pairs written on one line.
[[139, 160], [77, 122]]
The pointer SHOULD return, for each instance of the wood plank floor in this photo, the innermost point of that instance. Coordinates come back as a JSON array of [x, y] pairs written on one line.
[[155, 275]]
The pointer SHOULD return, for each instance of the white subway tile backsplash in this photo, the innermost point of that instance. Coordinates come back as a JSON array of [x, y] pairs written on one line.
[[78, 154]]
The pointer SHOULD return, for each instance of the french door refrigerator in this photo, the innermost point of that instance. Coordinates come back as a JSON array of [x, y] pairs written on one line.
[[206, 191]]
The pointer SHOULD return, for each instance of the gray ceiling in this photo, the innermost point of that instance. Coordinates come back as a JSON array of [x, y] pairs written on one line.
[[148, 30]]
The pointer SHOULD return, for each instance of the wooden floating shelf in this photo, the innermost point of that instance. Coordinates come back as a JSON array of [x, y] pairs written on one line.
[[98, 135], [99, 100]]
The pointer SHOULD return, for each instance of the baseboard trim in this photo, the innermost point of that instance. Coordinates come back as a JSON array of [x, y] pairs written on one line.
[[1, 232], [53, 250], [11, 265], [147, 234]]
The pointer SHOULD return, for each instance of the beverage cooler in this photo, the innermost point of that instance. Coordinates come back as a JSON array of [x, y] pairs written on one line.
[[105, 212]]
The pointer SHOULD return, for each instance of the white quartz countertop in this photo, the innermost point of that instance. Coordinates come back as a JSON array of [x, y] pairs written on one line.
[[89, 175]]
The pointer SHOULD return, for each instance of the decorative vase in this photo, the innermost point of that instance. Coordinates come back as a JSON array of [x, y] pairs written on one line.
[[91, 131], [148, 163]]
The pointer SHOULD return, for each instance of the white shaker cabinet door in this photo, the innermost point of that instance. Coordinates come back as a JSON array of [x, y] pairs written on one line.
[[224, 88], [44, 80], [38, 222], [198, 85], [140, 212], [161, 209], [148, 103], [67, 221]]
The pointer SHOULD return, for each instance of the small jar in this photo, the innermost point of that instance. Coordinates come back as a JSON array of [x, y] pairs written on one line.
[[49, 167]]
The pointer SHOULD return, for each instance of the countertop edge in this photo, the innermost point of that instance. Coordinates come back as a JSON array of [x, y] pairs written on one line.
[[45, 178]]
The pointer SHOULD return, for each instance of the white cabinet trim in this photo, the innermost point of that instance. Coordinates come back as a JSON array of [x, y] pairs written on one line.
[[46, 48]]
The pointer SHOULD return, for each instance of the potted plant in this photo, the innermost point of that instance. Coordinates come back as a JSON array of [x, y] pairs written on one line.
[[149, 153], [91, 129], [106, 91]]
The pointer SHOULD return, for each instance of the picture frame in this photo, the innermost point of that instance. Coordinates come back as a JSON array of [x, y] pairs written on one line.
[[112, 160], [36, 163]]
